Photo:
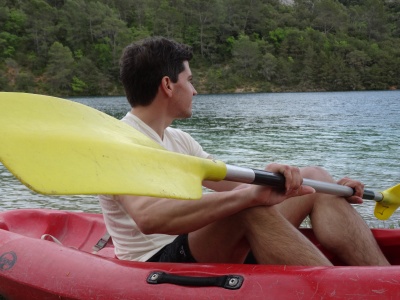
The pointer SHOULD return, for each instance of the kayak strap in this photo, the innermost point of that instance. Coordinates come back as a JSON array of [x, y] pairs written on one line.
[[49, 237], [231, 282], [101, 243]]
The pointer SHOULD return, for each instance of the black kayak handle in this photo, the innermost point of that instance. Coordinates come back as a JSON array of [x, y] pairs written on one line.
[[231, 282]]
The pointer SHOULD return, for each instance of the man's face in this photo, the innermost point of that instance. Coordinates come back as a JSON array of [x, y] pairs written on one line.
[[183, 94]]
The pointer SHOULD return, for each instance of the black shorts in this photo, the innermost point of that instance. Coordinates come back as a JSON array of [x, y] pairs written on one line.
[[178, 251]]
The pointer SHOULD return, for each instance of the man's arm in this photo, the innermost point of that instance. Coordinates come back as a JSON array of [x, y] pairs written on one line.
[[221, 186], [170, 216]]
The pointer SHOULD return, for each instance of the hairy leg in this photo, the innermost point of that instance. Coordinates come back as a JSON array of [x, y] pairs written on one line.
[[272, 239], [222, 242], [336, 224], [271, 232]]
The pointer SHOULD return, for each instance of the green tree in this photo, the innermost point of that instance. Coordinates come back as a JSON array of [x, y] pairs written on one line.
[[309, 74], [168, 20], [75, 25], [40, 26], [205, 19], [268, 66], [358, 61], [95, 82], [369, 20], [285, 76], [13, 23], [246, 57], [336, 75], [25, 82], [330, 16], [244, 16], [78, 85], [127, 10], [303, 12], [107, 31], [375, 18], [59, 69], [393, 8], [306, 45]]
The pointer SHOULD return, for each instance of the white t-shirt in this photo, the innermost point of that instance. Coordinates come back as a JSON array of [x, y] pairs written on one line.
[[129, 242]]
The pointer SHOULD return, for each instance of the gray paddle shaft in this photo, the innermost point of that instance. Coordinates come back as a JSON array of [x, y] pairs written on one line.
[[253, 176]]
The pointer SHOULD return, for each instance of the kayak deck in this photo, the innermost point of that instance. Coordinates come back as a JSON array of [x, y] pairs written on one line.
[[82, 231], [76, 230], [31, 268]]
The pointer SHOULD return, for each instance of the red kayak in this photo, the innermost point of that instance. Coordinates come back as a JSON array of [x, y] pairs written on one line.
[[47, 254]]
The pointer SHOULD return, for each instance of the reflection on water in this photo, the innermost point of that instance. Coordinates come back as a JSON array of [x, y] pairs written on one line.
[[352, 134]]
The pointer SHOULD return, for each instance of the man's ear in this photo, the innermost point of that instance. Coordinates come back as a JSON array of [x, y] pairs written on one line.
[[166, 86]]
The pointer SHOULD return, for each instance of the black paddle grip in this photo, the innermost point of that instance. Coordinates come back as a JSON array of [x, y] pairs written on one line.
[[268, 178], [369, 195]]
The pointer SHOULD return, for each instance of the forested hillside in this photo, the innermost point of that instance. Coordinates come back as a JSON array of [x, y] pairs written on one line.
[[72, 47]]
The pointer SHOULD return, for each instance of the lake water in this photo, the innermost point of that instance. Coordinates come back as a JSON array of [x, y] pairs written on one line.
[[355, 134]]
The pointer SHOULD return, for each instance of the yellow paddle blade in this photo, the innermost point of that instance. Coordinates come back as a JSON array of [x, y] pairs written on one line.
[[391, 201], [56, 146]]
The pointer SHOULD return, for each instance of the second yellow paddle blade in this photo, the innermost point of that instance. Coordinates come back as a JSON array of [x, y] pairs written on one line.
[[56, 146], [391, 201]]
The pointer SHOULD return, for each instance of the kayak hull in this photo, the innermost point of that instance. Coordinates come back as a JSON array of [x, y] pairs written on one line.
[[32, 268]]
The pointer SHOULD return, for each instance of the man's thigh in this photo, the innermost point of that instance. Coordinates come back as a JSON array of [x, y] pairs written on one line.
[[222, 241]]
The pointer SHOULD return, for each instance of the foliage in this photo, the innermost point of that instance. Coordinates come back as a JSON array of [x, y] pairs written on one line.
[[72, 47]]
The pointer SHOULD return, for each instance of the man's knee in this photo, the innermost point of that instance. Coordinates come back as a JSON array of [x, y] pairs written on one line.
[[316, 173]]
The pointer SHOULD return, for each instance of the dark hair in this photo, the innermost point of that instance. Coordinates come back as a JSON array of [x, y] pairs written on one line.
[[143, 64]]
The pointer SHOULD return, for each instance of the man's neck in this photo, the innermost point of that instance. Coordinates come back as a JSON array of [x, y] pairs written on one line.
[[153, 118]]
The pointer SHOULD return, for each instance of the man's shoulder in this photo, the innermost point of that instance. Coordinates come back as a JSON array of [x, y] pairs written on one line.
[[180, 141], [178, 133]]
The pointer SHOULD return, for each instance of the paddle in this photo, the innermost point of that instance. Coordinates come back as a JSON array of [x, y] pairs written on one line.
[[56, 146]]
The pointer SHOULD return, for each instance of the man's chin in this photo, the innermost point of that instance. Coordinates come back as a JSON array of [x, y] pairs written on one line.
[[186, 115]]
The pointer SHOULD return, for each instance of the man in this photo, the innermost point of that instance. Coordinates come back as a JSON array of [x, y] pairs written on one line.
[[237, 219]]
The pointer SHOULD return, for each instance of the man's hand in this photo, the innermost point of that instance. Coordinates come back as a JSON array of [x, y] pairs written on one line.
[[293, 186], [358, 188]]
